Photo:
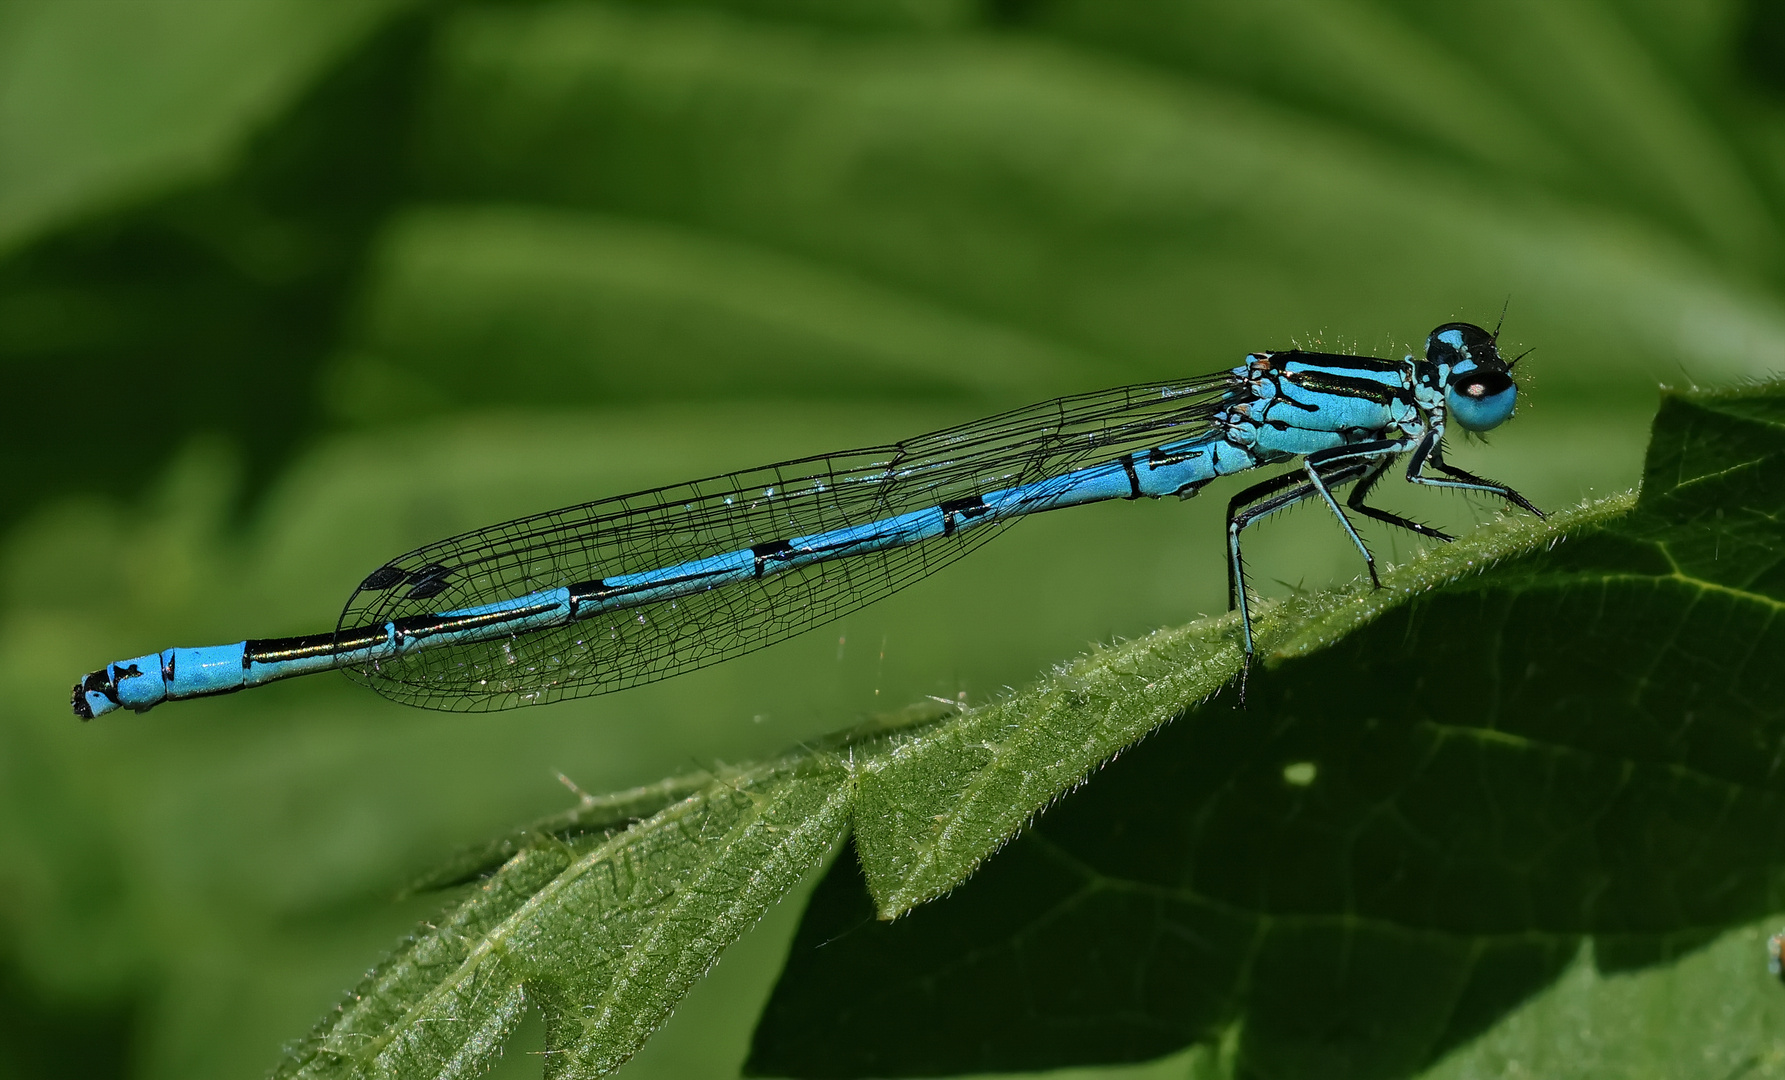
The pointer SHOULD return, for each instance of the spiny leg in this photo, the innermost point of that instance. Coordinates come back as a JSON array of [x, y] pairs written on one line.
[[1356, 502], [1255, 502], [1326, 495], [1433, 450], [1264, 499], [1364, 459], [1238, 517]]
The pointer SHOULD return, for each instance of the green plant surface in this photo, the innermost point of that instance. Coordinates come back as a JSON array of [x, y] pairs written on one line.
[[603, 936], [1435, 796], [940, 803], [1711, 1012], [1057, 189]]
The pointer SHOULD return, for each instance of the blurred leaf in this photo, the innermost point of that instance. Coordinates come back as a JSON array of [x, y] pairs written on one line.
[[859, 14], [1569, 98], [106, 103], [61, 1038], [585, 308], [1118, 207], [1429, 803], [204, 306]]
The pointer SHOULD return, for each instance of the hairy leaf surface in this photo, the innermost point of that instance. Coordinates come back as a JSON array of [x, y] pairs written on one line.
[[1431, 803]]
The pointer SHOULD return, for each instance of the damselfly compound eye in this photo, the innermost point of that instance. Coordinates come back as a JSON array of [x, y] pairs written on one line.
[[1459, 344], [1482, 399]]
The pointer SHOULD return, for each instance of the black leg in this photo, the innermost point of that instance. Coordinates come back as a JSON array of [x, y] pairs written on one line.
[[1461, 479], [1257, 501], [1317, 480], [1238, 517], [1356, 502], [1368, 458], [1261, 500]]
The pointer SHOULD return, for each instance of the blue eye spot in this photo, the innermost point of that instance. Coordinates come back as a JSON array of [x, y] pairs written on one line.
[[1481, 401]]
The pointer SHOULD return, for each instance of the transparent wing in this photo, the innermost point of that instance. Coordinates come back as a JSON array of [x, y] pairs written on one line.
[[649, 530]]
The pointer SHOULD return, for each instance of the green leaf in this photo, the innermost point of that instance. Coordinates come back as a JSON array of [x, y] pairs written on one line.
[[445, 1002], [940, 803], [602, 815], [1436, 794], [610, 814], [1438, 791], [603, 933], [1716, 1012], [578, 306], [1109, 204]]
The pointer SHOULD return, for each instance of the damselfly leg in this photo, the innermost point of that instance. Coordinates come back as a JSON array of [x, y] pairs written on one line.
[[1361, 490], [1360, 464], [1461, 479], [1255, 503]]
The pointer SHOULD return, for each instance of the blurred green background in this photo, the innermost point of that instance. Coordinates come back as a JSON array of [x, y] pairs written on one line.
[[288, 287]]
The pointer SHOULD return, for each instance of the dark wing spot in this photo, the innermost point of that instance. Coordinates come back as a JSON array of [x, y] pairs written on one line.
[[429, 581], [382, 578]]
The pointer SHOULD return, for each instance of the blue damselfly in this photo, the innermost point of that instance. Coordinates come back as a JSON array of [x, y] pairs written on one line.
[[628, 590]]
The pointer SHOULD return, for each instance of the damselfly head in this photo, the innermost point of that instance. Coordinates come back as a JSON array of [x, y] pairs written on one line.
[[1478, 387]]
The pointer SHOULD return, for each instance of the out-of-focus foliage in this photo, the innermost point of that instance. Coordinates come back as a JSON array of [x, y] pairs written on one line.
[[286, 288]]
